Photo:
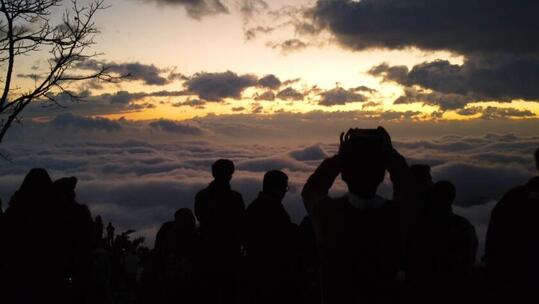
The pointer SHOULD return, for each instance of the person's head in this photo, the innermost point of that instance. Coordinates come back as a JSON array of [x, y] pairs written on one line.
[[36, 187], [275, 184], [222, 170], [363, 163], [441, 196], [537, 158], [421, 176], [36, 181], [185, 218]]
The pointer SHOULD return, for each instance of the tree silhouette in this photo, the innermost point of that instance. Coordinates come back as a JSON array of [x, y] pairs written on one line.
[[27, 27]]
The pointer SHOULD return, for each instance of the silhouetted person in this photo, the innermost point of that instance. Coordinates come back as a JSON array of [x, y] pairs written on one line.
[[30, 278], [110, 234], [420, 182], [442, 250], [50, 241], [220, 211], [176, 251], [512, 244], [271, 243], [99, 228], [75, 236], [358, 235]]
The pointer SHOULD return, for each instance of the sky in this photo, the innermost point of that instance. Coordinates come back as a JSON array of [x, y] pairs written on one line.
[[271, 84]]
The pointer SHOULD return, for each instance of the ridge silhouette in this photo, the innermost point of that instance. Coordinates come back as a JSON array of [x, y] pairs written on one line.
[[356, 248]]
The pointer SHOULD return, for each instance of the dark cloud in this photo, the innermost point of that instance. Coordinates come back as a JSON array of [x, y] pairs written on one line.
[[68, 120], [479, 78], [252, 32], [289, 45], [291, 81], [340, 96], [32, 76], [141, 106], [217, 86], [397, 115], [172, 126], [496, 38], [256, 108], [125, 97], [251, 8], [443, 101], [371, 104], [149, 74], [197, 9], [267, 96], [504, 113], [290, 94], [269, 81], [462, 26], [238, 109], [194, 103]]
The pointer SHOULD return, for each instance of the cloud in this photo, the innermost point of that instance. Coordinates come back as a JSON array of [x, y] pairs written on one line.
[[175, 127], [290, 94], [238, 109], [149, 74], [314, 152], [495, 38], [124, 97], [250, 8], [460, 26], [443, 101], [289, 45], [504, 113], [217, 86], [252, 32], [267, 96], [478, 183], [147, 175], [194, 103], [340, 96], [479, 78], [68, 120], [197, 9], [269, 81]]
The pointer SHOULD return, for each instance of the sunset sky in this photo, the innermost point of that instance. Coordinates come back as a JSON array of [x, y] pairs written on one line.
[[270, 84], [326, 56]]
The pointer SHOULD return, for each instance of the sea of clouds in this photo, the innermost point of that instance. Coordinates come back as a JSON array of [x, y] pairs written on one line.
[[138, 173]]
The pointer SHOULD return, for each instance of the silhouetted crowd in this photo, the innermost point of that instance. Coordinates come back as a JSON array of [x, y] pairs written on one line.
[[357, 248]]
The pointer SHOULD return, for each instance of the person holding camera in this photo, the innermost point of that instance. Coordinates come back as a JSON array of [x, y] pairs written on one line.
[[359, 235]]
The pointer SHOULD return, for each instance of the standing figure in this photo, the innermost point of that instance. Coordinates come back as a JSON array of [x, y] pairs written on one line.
[[270, 242], [512, 246], [220, 211], [359, 235], [441, 252]]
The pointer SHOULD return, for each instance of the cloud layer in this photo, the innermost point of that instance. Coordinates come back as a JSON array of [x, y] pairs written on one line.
[[138, 175], [462, 26]]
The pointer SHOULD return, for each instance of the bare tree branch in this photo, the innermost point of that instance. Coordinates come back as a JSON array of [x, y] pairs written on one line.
[[26, 27]]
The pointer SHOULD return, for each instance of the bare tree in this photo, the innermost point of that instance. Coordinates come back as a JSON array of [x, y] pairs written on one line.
[[26, 28]]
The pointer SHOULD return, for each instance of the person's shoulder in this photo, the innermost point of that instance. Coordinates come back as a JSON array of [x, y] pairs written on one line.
[[511, 197], [461, 221], [236, 194], [165, 227], [516, 191], [202, 193]]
